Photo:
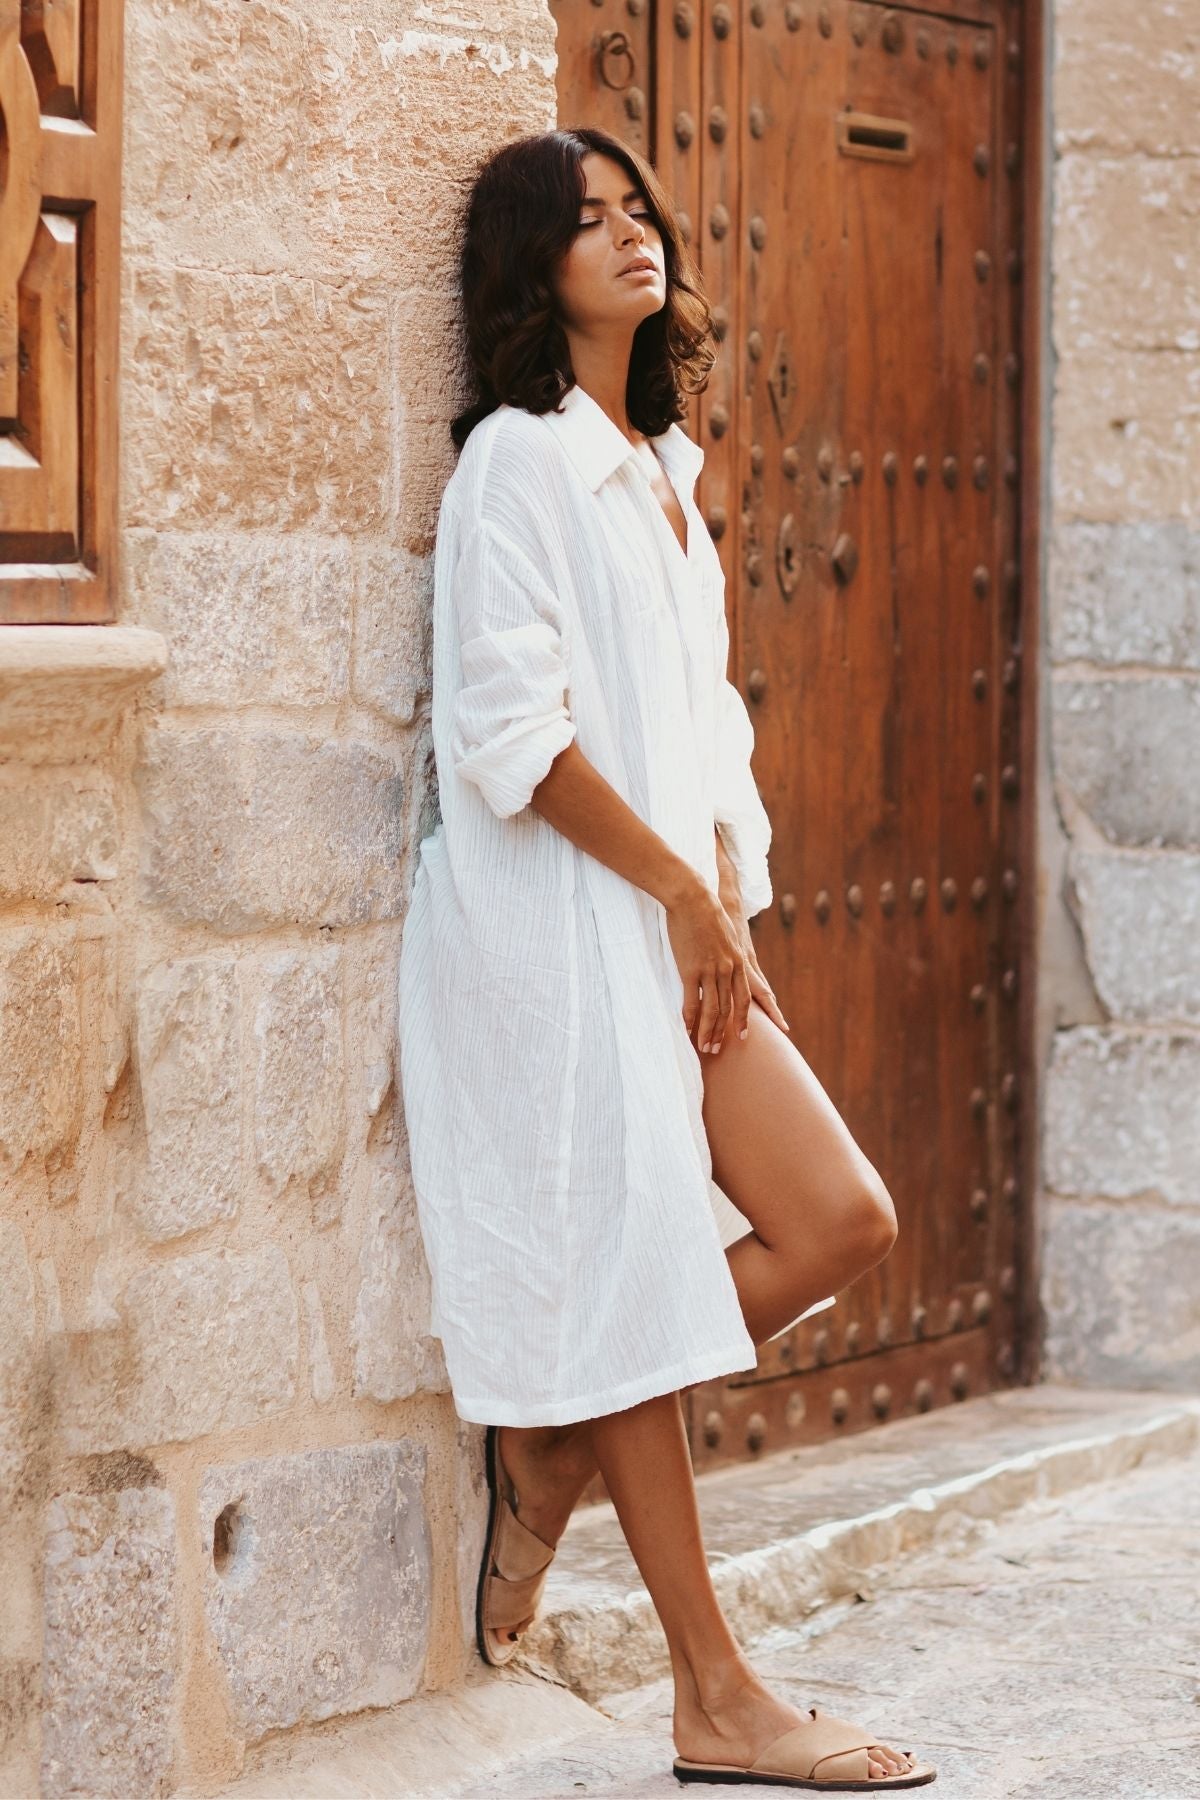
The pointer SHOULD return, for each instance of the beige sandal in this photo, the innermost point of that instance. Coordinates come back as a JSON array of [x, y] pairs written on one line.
[[792, 1760], [512, 1571]]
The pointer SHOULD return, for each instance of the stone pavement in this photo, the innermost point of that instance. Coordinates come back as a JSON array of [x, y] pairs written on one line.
[[1055, 1657]]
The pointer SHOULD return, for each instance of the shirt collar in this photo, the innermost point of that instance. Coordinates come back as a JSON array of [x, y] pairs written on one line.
[[597, 447]]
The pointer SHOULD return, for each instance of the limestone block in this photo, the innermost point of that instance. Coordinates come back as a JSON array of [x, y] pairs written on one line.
[[1125, 435], [1125, 593], [40, 1066], [65, 688], [318, 1582], [1141, 926], [394, 1353], [245, 829], [1126, 748], [215, 134], [17, 1369], [1121, 1117], [299, 1100], [54, 830], [1119, 1287], [1137, 219], [251, 620], [380, 160], [320, 1368], [256, 402], [110, 1645], [1124, 76], [189, 1067], [393, 643], [314, 139], [201, 1343], [470, 1515]]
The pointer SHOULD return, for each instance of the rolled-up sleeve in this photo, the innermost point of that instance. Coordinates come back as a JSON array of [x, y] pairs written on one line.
[[738, 809], [511, 716]]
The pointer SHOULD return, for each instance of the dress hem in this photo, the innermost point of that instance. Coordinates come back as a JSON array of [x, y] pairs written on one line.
[[731, 1361]]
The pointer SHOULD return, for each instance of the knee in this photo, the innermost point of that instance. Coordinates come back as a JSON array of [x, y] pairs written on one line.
[[871, 1218]]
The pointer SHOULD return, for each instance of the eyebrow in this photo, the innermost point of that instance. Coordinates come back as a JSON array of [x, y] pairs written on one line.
[[595, 200]]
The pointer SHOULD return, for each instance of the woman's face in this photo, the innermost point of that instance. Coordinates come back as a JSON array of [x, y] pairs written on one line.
[[595, 286]]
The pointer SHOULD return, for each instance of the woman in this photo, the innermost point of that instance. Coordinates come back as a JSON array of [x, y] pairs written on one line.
[[627, 1176]]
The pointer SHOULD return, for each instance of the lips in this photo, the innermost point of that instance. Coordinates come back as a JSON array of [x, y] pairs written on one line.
[[639, 262]]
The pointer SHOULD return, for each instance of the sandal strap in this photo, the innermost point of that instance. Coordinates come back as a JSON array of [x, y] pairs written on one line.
[[824, 1738], [508, 1603], [518, 1552], [518, 1564]]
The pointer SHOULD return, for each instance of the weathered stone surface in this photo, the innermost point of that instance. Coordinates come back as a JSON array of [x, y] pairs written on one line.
[[1126, 428], [1141, 926], [64, 688], [1126, 593], [263, 403], [277, 159], [392, 631], [40, 1068], [318, 1588], [1121, 1290], [320, 1369], [17, 1401], [252, 828], [470, 1513], [1121, 1114], [201, 1343], [189, 1062], [1137, 219], [1126, 747], [299, 1103], [1124, 77], [394, 1354], [53, 830], [110, 1644], [251, 619]]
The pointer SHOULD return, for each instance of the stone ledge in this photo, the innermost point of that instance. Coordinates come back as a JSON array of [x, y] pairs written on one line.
[[795, 1531], [63, 688]]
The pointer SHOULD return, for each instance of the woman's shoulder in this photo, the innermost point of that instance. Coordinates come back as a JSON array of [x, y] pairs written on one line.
[[510, 475], [509, 447]]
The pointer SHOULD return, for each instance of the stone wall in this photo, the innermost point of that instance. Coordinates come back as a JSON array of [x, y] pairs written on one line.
[[1122, 945], [236, 1496]]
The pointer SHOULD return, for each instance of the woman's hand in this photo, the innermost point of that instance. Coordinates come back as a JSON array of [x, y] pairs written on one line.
[[708, 952], [729, 893]]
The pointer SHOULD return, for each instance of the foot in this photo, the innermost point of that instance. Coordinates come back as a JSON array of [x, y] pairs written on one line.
[[542, 1471], [739, 1716]]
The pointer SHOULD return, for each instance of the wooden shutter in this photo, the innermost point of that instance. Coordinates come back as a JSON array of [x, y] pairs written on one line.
[[60, 216]]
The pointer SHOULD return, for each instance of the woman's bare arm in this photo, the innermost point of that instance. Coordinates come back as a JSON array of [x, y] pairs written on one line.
[[575, 798]]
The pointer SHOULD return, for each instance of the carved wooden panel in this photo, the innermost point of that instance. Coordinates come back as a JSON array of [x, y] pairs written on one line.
[[60, 213]]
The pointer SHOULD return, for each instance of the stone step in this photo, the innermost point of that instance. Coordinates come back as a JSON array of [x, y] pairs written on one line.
[[799, 1529]]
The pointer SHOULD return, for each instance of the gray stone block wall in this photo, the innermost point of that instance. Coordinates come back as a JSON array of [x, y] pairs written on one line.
[[1121, 935]]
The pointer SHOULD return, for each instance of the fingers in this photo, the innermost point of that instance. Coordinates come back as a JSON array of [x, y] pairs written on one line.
[[761, 990], [709, 1010], [741, 1000], [691, 1003]]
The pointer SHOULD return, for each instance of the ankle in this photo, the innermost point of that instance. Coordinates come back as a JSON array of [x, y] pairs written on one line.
[[709, 1685]]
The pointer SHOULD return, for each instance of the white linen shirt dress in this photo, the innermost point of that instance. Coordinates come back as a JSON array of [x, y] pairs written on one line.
[[563, 1179]]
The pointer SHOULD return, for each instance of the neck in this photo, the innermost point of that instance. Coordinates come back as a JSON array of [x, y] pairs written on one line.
[[601, 368]]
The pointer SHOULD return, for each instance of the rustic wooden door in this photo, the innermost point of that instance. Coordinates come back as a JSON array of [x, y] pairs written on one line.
[[850, 173]]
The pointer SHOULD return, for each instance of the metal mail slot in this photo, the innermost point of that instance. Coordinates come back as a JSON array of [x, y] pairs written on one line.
[[863, 134]]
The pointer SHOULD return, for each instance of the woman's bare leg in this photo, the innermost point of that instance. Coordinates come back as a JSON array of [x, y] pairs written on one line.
[[820, 1216]]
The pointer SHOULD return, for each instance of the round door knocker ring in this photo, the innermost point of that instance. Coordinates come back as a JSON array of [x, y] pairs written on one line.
[[612, 47]]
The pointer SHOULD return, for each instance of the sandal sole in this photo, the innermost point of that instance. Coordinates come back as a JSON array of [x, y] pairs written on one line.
[[481, 1633], [918, 1777]]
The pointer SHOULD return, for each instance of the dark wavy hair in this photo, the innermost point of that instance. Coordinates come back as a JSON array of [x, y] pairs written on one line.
[[522, 213]]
